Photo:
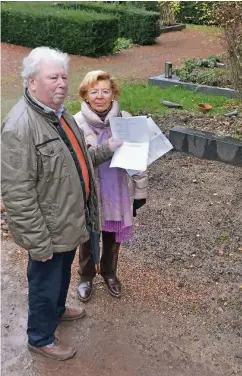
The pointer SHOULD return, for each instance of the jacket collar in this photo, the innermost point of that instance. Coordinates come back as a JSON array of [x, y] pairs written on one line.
[[36, 106]]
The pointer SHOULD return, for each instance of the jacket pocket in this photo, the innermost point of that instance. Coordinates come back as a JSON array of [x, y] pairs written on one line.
[[53, 163], [50, 214]]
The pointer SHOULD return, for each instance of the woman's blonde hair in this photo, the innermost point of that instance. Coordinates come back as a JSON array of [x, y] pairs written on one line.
[[92, 78]]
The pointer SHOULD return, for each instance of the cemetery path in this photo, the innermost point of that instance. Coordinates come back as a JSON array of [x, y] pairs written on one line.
[[180, 313], [135, 64]]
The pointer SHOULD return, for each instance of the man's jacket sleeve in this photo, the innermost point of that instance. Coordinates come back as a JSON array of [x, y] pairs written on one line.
[[100, 154], [19, 177]]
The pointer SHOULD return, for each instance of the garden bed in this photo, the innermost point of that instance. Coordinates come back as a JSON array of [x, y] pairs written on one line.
[[204, 75], [163, 82], [219, 125], [212, 71]]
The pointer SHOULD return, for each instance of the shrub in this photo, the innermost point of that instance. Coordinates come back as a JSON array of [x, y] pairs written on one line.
[[229, 16], [140, 26], [194, 12], [33, 24], [151, 6], [122, 43], [167, 13]]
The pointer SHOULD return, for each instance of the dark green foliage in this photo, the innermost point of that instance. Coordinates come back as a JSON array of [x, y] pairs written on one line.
[[34, 24], [195, 12], [140, 26], [151, 6]]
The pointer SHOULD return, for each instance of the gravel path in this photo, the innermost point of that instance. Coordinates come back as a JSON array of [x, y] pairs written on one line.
[[180, 314]]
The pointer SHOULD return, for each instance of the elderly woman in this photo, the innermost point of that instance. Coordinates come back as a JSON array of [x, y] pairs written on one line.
[[120, 194]]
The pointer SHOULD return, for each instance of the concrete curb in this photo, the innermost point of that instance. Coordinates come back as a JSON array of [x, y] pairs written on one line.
[[177, 27], [207, 145], [163, 82]]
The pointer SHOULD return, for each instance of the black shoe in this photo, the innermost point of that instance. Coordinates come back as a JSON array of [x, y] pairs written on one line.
[[85, 291], [114, 286]]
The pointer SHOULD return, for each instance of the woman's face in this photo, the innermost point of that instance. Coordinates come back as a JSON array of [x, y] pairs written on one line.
[[100, 95]]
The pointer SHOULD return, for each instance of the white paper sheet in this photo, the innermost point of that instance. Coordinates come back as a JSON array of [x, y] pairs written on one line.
[[133, 154], [158, 145]]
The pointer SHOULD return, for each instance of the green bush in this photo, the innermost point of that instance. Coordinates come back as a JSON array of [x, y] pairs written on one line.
[[121, 44], [34, 24], [151, 6], [194, 12], [139, 25]]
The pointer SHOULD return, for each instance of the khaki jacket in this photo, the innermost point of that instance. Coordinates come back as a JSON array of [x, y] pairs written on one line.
[[41, 188]]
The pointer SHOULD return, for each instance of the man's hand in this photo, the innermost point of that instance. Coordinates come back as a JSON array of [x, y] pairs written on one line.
[[49, 258], [114, 144]]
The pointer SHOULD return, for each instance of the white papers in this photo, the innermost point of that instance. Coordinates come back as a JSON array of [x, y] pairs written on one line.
[[159, 144], [133, 154], [130, 129], [143, 143]]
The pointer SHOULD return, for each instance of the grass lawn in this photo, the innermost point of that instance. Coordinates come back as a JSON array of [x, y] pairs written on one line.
[[143, 98], [207, 29]]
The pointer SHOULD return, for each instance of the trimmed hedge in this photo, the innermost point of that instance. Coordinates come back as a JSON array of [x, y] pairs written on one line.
[[34, 24], [139, 25]]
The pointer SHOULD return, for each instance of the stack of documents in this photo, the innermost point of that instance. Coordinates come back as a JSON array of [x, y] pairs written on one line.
[[143, 143]]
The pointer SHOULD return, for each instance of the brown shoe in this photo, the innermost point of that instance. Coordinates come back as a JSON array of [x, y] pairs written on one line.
[[114, 286], [73, 313], [85, 291], [55, 350]]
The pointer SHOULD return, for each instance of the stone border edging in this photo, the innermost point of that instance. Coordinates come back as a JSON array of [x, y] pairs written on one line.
[[207, 145], [163, 82], [167, 29]]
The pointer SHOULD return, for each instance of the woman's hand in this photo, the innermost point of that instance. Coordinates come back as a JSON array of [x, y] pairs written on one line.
[[114, 144]]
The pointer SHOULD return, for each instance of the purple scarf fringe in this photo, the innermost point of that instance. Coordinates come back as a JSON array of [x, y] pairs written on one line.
[[122, 234]]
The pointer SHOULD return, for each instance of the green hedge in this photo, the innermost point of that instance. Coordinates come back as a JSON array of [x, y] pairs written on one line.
[[139, 25], [34, 24], [195, 12]]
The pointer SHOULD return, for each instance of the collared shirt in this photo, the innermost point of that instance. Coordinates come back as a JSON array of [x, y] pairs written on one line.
[[47, 109]]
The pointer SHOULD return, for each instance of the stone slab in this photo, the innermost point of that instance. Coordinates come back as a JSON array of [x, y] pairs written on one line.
[[207, 145], [167, 29], [163, 82]]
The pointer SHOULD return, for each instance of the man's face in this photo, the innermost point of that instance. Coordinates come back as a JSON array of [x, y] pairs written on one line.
[[49, 86]]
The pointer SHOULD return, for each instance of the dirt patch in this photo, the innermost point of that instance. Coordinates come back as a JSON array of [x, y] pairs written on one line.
[[219, 124], [180, 313]]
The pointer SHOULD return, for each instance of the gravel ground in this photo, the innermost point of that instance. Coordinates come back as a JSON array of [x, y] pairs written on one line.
[[180, 314]]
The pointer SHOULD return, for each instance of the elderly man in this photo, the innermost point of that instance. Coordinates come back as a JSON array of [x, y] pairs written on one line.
[[49, 193]]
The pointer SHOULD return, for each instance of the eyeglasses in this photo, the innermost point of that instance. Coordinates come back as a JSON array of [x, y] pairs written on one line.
[[104, 92]]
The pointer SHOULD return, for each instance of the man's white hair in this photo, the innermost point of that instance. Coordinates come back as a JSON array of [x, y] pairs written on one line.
[[31, 63]]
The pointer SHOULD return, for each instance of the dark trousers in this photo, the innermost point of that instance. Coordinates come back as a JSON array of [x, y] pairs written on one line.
[[109, 259], [48, 286]]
